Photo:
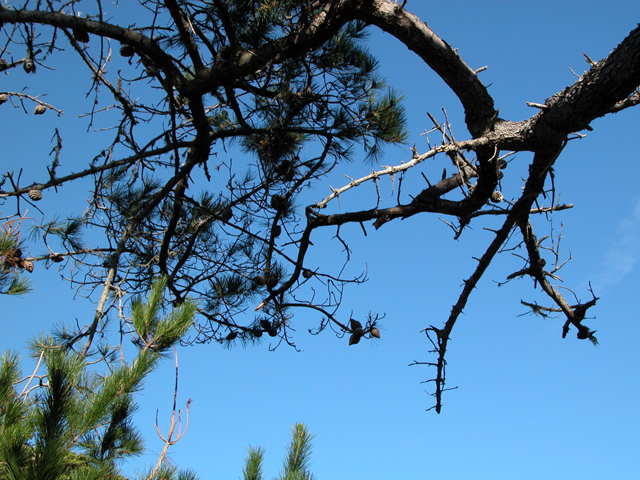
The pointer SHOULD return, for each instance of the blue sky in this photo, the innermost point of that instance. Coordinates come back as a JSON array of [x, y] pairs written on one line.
[[529, 404]]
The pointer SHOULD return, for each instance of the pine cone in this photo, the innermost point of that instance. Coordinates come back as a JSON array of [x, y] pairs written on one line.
[[3, 64], [127, 50], [375, 332], [355, 324], [27, 265], [12, 258], [306, 273], [3, 98], [226, 214], [80, 36], [583, 334], [497, 197], [39, 110], [266, 324], [286, 170], [29, 66], [278, 202], [35, 195]]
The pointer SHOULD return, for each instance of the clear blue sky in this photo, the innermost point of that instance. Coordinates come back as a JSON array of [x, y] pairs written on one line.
[[529, 405]]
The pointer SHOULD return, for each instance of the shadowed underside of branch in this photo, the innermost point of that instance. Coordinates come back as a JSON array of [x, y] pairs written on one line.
[[290, 85]]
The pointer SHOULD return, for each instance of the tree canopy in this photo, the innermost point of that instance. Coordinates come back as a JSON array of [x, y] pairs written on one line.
[[292, 86]]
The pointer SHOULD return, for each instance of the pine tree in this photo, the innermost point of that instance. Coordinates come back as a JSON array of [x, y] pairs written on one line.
[[296, 462], [290, 88], [73, 422]]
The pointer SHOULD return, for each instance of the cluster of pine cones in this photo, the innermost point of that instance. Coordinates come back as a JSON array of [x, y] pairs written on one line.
[[13, 259]]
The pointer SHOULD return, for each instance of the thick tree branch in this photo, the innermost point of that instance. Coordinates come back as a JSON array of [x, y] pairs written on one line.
[[439, 55], [596, 93], [241, 63]]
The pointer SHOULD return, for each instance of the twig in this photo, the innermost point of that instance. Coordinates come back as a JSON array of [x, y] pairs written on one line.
[[175, 421]]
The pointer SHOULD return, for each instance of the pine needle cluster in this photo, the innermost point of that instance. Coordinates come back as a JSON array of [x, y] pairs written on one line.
[[68, 420]]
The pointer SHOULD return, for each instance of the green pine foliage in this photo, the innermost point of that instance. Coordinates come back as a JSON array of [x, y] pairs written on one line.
[[170, 472], [77, 425], [297, 461], [252, 469], [74, 422], [296, 464], [69, 231], [156, 334]]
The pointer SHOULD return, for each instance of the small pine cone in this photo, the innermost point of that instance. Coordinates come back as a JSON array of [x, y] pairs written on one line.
[[266, 324], [278, 202], [29, 66], [497, 197], [355, 324], [39, 110], [80, 36], [375, 332], [3, 98], [583, 334], [283, 167], [225, 214], [35, 195], [259, 280], [57, 258], [27, 265], [272, 282], [286, 170], [12, 258], [127, 50], [3, 64], [306, 273], [277, 231]]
